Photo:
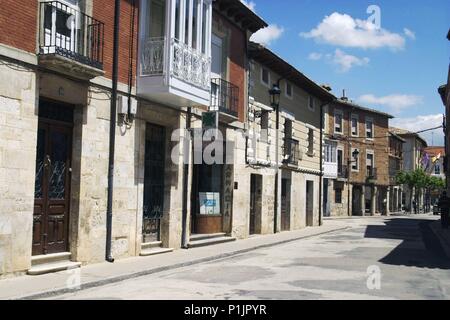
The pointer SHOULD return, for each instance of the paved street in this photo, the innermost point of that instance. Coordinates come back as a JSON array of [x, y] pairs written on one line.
[[329, 266]]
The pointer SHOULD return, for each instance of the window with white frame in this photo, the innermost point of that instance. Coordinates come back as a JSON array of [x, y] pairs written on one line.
[[338, 122], [340, 161], [289, 89], [265, 77], [265, 118], [355, 126], [355, 159], [330, 153], [311, 103], [369, 128], [437, 169]]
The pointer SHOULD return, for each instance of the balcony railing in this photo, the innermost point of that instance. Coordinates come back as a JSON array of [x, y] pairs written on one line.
[[342, 171], [180, 61], [291, 151], [69, 33], [224, 97], [371, 173]]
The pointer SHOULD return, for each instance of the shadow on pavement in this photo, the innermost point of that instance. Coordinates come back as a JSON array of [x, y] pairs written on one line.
[[420, 247]]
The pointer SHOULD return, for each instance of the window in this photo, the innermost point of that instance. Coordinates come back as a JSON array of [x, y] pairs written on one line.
[[354, 125], [311, 103], [311, 142], [288, 128], [355, 159], [288, 90], [330, 153], [194, 23], [265, 77], [216, 56], [369, 164], [338, 195], [338, 122], [205, 15], [177, 19], [186, 17], [369, 128], [437, 169], [265, 126], [340, 159]]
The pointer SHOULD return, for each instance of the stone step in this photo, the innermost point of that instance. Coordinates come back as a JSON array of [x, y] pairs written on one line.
[[149, 245], [53, 267], [154, 251], [198, 237], [210, 242], [49, 258]]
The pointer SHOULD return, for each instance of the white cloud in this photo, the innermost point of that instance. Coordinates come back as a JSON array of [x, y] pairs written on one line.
[[315, 56], [345, 31], [410, 34], [251, 5], [346, 61], [267, 35], [419, 123], [395, 102]]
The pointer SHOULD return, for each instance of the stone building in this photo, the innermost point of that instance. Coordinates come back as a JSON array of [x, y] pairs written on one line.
[[283, 167], [356, 181], [395, 166], [55, 96], [413, 155]]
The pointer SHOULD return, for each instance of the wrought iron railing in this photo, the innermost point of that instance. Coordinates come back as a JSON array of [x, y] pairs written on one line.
[[371, 173], [183, 62], [224, 96], [291, 151], [342, 171], [70, 33], [152, 57]]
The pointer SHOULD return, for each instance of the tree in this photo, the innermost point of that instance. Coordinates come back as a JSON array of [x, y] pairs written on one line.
[[418, 181]]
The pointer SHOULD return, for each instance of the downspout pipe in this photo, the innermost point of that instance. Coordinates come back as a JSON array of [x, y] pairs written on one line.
[[277, 160], [321, 166], [184, 240], [112, 132]]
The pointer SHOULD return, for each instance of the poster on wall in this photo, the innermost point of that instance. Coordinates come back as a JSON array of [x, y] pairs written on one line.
[[209, 203]]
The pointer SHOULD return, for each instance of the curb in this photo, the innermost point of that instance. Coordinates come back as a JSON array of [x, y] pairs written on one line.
[[115, 279], [445, 243]]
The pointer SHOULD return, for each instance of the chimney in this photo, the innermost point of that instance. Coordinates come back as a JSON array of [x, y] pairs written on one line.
[[344, 98]]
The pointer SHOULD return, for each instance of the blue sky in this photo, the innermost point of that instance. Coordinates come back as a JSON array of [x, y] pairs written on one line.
[[393, 63]]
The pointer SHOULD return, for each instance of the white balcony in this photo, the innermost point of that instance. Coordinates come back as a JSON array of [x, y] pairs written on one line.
[[330, 170], [175, 52]]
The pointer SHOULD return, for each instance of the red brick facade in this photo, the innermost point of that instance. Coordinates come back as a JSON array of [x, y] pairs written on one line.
[[104, 11], [18, 24]]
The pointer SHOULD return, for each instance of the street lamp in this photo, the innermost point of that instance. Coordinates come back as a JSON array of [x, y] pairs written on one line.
[[275, 93]]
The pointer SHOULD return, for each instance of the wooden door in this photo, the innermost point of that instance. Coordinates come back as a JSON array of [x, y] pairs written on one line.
[[52, 188]]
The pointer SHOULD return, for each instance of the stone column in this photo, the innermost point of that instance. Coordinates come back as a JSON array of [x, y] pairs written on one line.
[[388, 201], [373, 201], [363, 200]]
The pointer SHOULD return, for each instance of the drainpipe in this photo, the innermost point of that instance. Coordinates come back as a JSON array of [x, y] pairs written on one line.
[[112, 132], [321, 165], [184, 241], [277, 160]]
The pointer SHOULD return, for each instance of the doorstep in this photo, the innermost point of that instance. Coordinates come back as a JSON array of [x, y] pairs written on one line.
[[203, 240], [48, 263]]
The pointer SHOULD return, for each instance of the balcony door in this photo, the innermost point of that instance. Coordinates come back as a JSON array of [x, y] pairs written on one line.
[[61, 24], [216, 70]]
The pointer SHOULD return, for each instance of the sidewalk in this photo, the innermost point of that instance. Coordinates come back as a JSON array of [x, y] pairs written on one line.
[[443, 236], [33, 287]]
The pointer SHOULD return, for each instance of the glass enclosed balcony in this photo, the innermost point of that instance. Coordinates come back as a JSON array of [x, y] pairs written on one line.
[[175, 52]]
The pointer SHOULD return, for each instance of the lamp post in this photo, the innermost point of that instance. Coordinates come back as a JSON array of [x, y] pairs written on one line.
[[275, 93]]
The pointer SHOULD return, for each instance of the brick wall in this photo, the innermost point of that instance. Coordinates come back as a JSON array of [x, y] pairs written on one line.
[[18, 24], [103, 10], [236, 59], [379, 145]]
